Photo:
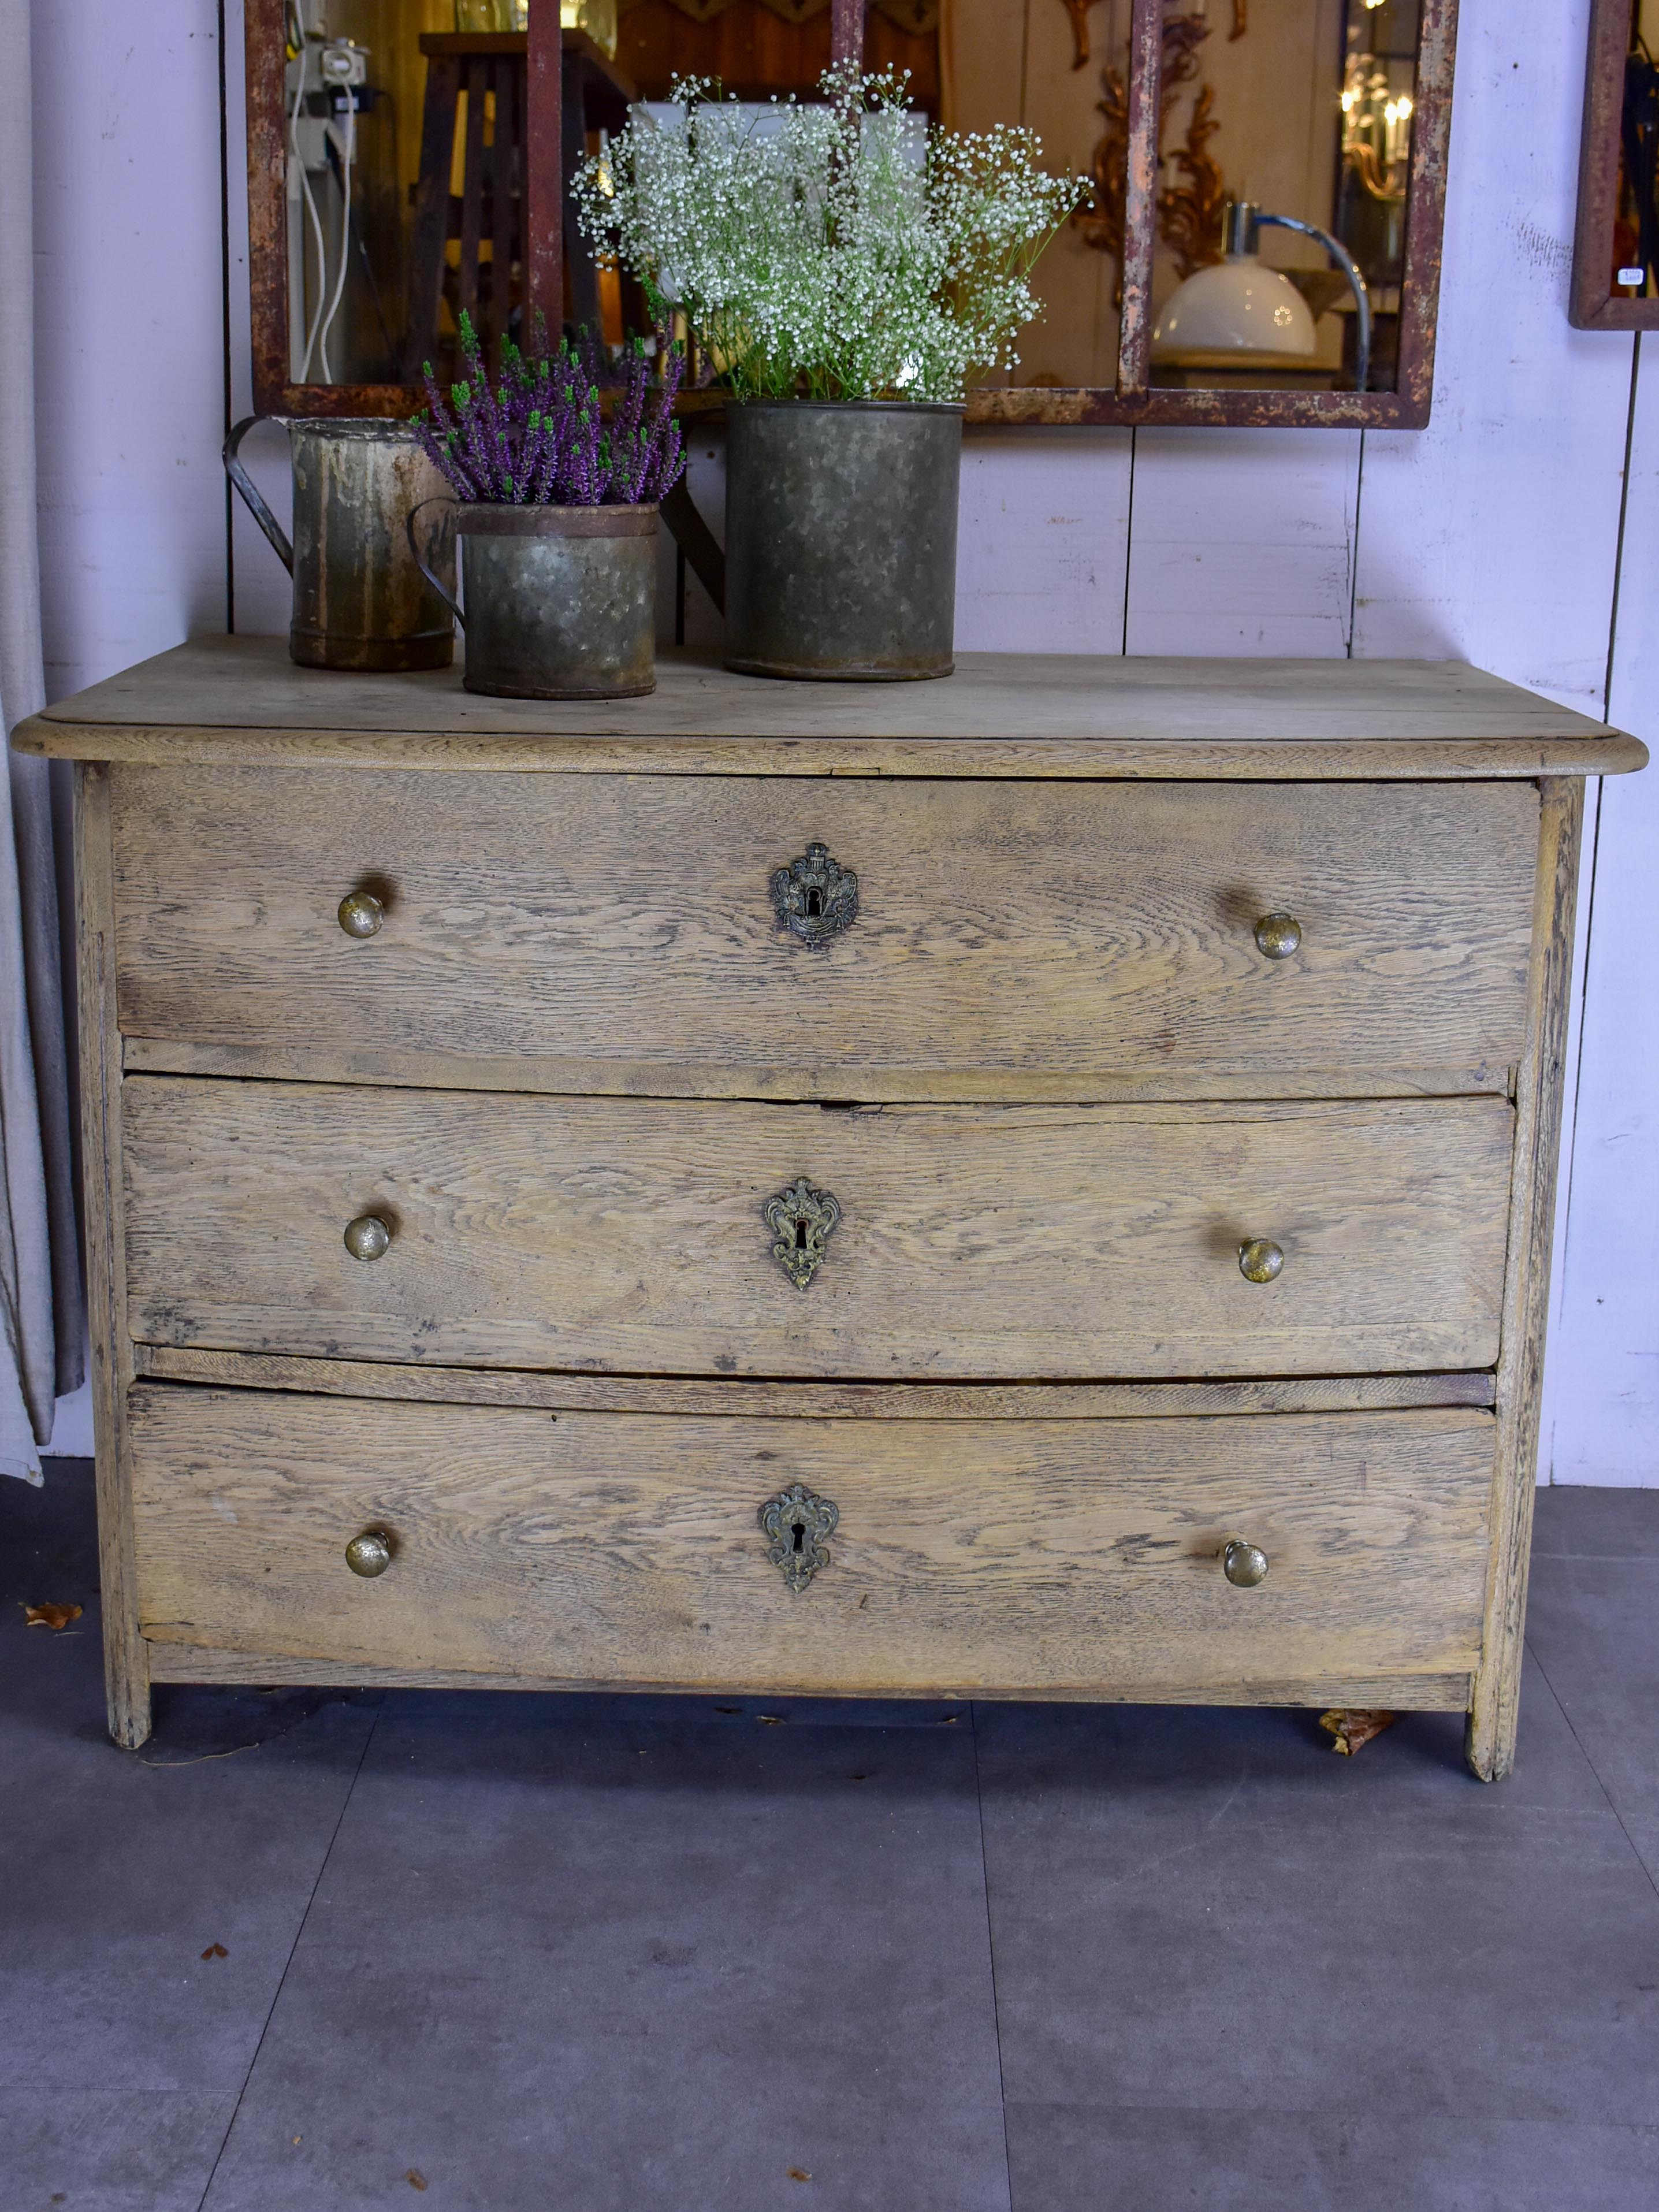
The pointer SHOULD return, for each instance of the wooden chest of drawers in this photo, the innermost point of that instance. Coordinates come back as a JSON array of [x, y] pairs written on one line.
[[1033, 1184]]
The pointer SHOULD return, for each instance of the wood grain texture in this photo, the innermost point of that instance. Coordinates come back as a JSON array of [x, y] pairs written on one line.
[[125, 1670], [829, 1401], [1422, 1693], [1028, 1242], [1495, 1709], [621, 1548], [239, 699], [283, 1061], [1093, 930], [872, 760]]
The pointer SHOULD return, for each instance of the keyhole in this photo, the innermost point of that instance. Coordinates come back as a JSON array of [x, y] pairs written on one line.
[[799, 1534], [814, 901], [800, 1236]]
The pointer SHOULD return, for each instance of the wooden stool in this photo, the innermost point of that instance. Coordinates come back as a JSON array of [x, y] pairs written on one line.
[[490, 205]]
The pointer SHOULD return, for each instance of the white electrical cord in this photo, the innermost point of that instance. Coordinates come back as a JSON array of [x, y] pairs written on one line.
[[345, 224], [310, 197]]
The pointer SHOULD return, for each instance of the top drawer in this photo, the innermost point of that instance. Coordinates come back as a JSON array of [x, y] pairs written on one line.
[[1047, 939]]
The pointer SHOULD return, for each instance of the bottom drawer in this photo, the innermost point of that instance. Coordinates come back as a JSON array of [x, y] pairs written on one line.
[[1058, 1557]]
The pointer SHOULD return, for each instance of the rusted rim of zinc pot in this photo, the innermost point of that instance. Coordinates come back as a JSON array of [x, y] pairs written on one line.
[[858, 406], [337, 427], [489, 518]]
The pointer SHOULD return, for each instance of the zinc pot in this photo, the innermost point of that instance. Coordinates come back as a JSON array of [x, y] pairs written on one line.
[[841, 539], [560, 602], [361, 600]]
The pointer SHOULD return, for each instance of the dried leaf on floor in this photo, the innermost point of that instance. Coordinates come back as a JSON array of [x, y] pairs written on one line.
[[1350, 1728], [204, 1758], [50, 1616], [414, 2177], [798, 2173], [216, 1951]]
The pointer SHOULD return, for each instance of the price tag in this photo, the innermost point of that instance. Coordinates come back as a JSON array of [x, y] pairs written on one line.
[[1632, 276]]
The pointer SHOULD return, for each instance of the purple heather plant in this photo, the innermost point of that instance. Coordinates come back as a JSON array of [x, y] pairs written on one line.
[[539, 437]]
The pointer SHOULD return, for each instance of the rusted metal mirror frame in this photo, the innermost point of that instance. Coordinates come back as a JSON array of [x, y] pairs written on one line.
[[1594, 305], [1133, 400]]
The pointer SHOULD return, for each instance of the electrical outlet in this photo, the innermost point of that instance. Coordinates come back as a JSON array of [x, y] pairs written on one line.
[[343, 64]]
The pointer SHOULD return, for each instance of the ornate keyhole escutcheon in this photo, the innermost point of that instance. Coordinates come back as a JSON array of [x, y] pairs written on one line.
[[801, 1219], [797, 1524], [814, 897]]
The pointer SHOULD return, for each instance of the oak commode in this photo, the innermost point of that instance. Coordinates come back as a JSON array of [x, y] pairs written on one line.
[[1035, 1184]]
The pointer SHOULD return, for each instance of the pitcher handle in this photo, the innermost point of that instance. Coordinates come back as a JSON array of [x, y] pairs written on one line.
[[251, 492], [436, 500], [696, 540]]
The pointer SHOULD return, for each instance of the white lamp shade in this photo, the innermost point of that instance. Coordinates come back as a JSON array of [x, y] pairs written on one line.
[[1238, 306]]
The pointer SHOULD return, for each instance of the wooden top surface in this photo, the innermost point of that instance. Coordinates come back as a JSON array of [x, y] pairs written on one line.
[[240, 700]]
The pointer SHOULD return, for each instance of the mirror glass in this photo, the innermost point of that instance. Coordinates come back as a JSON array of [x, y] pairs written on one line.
[[405, 162], [1301, 108], [756, 48], [353, 167], [1633, 261], [402, 167]]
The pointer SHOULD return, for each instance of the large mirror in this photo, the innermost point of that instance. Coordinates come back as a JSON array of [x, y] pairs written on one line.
[[1615, 270], [1277, 260]]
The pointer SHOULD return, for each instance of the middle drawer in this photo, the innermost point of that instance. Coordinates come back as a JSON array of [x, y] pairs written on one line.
[[639, 1236]]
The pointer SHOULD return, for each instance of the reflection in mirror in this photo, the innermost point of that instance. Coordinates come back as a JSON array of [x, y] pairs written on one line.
[[388, 156], [1633, 271], [352, 93], [1300, 109], [756, 49], [405, 172], [1615, 264], [1300, 112]]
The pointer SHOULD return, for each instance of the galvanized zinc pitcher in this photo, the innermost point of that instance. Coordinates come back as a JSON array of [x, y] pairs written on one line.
[[360, 599]]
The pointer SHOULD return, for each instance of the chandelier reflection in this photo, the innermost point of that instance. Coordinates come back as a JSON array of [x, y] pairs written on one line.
[[1376, 128]]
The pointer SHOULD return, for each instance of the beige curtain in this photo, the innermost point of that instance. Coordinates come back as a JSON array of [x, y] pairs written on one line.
[[41, 1328]]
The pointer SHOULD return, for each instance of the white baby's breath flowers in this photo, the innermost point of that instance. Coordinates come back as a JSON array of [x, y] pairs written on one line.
[[831, 251]]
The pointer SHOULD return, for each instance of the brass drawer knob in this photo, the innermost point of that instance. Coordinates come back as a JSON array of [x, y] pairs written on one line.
[[1244, 1565], [360, 914], [814, 897], [1278, 935], [369, 1554], [368, 1237], [1260, 1259]]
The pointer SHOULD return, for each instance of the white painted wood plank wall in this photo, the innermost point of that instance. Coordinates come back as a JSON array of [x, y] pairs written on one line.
[[1495, 535], [1601, 1413]]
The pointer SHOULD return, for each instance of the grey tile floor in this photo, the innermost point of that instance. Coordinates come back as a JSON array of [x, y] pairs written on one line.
[[566, 1955]]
